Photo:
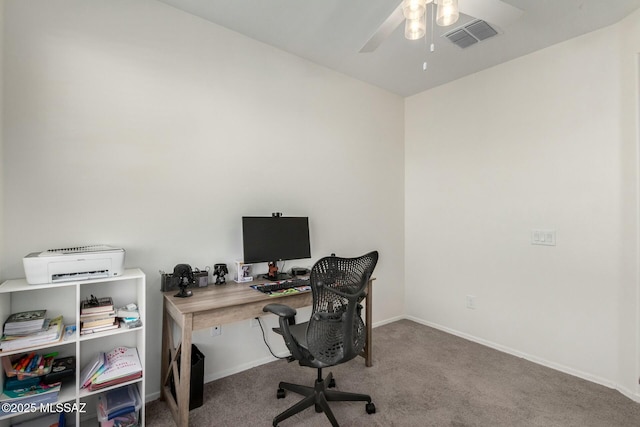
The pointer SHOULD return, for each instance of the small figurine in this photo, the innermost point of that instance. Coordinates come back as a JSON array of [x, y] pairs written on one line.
[[273, 270], [219, 270], [184, 275]]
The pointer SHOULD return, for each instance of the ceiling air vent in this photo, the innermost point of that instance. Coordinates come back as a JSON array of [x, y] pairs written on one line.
[[470, 34]]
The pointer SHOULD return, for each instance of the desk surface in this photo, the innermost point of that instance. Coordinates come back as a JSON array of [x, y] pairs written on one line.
[[214, 297], [231, 302]]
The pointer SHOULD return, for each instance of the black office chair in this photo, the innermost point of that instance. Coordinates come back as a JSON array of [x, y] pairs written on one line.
[[335, 333]]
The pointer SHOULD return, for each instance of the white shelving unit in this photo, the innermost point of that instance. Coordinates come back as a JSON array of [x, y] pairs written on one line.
[[64, 299]]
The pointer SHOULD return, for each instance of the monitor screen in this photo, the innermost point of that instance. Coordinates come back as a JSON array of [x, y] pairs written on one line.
[[275, 238]]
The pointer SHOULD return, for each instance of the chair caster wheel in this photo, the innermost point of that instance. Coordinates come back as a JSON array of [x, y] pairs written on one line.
[[332, 383], [371, 408], [318, 408], [280, 393]]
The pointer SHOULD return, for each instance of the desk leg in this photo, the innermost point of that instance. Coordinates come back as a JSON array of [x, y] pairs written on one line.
[[182, 391], [368, 347], [180, 405], [166, 348]]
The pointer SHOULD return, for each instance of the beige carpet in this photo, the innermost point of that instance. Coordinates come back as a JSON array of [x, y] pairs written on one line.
[[421, 377]]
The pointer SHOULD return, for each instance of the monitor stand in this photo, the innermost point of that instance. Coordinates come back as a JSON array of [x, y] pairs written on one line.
[[273, 274], [277, 277]]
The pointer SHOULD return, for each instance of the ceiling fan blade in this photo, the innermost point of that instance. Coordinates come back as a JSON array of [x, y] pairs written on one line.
[[386, 28], [493, 11]]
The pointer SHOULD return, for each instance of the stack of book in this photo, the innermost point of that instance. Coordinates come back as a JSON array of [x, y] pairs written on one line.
[[49, 331], [25, 323], [118, 366], [97, 315]]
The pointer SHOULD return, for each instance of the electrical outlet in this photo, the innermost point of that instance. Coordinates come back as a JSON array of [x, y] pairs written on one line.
[[471, 302], [216, 330], [255, 322]]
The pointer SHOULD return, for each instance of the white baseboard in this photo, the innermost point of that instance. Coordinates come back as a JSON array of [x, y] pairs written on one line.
[[243, 367], [221, 374], [386, 321], [635, 396]]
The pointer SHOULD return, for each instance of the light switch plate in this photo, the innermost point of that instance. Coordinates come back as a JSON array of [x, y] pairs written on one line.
[[543, 237]]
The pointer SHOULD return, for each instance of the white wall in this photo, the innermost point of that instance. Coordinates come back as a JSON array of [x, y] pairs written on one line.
[[629, 297], [543, 141], [134, 124]]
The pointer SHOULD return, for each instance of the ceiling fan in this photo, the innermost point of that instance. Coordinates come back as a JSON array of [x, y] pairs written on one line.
[[495, 12]]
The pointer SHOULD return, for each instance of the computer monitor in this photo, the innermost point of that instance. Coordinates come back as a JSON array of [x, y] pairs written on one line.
[[275, 238]]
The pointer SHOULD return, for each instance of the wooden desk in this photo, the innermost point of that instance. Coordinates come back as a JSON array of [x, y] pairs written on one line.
[[217, 305]]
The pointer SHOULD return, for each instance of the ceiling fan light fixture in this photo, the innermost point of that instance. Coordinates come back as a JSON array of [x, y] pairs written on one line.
[[413, 9], [448, 12], [415, 29]]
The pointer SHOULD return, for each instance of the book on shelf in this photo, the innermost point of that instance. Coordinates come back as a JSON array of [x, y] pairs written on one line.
[[17, 333], [119, 365], [97, 316], [95, 386], [25, 322], [92, 378], [91, 368], [113, 325], [94, 323], [52, 334], [122, 362], [93, 305]]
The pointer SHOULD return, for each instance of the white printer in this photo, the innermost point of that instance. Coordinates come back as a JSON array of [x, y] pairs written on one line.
[[73, 264]]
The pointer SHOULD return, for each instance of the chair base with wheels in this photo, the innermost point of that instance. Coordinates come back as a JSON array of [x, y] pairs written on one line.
[[319, 395], [334, 334]]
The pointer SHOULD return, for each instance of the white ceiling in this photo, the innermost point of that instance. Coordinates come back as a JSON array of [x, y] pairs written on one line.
[[331, 33]]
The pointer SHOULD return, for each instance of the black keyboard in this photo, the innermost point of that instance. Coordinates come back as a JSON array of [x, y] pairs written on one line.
[[286, 284]]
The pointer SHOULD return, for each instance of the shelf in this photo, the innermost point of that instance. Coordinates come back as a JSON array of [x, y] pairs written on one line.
[[120, 330], [37, 347], [19, 285], [86, 393], [67, 393], [64, 299]]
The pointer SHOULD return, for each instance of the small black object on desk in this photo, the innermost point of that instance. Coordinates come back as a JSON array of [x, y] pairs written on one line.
[[184, 274], [219, 270]]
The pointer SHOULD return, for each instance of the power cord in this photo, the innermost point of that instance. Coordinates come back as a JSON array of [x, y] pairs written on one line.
[[264, 338]]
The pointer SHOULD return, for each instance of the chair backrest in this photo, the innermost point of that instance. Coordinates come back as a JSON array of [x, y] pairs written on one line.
[[336, 332]]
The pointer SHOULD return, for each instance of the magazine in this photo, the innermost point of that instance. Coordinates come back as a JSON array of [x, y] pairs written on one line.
[[52, 334], [25, 322]]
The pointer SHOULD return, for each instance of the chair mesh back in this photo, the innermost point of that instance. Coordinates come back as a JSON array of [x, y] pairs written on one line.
[[336, 331]]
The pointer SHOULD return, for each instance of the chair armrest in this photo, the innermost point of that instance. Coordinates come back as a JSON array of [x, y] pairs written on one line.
[[279, 310], [285, 313]]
